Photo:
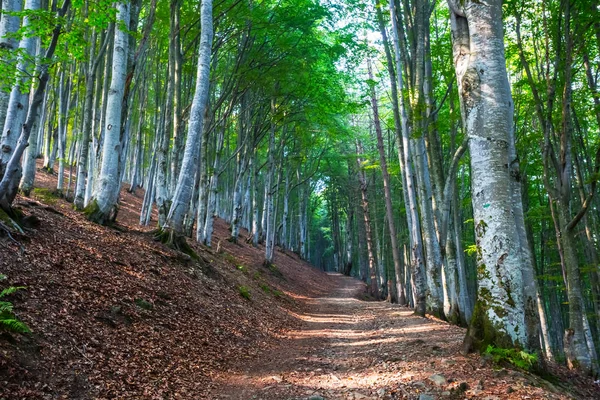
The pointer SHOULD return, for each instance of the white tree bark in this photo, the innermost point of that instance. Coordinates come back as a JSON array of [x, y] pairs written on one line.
[[31, 153], [8, 25], [18, 102], [404, 154], [102, 207], [486, 105], [83, 173], [185, 183], [213, 189]]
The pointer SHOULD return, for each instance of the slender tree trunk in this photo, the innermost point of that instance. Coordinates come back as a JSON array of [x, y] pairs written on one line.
[[18, 102], [373, 286], [9, 24], [185, 183], [102, 207], [389, 210], [11, 176], [213, 189]]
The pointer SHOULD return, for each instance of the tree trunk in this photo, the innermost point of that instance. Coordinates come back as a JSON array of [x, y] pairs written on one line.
[[486, 105], [389, 210], [185, 183], [102, 207]]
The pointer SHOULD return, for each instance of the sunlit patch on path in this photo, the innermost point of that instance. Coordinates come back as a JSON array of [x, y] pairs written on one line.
[[348, 348]]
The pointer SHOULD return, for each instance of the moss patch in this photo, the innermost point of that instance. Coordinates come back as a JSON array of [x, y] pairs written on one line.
[[46, 196], [94, 214]]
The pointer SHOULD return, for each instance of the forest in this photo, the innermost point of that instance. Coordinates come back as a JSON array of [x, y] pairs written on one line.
[[445, 153]]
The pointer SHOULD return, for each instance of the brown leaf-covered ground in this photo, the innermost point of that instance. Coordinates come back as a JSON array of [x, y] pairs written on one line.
[[115, 314]]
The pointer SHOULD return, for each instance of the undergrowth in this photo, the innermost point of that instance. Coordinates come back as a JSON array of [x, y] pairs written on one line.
[[518, 358], [8, 320], [244, 292]]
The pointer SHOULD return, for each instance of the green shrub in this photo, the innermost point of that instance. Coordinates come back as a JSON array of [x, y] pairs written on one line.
[[244, 292], [8, 320], [269, 290], [265, 288], [518, 358], [146, 305]]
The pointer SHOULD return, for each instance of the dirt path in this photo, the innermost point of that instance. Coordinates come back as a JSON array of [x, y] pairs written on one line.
[[353, 349]]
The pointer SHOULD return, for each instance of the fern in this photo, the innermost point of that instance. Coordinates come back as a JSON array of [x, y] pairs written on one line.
[[518, 358], [8, 320], [5, 307], [10, 290], [13, 325]]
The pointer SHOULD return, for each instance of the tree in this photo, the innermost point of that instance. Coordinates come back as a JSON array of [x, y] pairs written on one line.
[[487, 107], [103, 205]]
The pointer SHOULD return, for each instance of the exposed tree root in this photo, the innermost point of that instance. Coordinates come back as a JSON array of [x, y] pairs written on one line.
[[94, 214], [175, 241]]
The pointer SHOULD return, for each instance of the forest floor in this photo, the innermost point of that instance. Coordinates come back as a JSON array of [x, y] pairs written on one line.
[[350, 348], [116, 315]]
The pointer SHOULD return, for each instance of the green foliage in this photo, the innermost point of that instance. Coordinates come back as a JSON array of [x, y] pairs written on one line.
[[244, 292], [46, 196], [471, 250], [230, 258], [243, 269], [8, 321], [144, 304], [269, 290], [518, 358]]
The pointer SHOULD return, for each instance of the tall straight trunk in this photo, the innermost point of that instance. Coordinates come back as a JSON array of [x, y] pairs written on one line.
[[9, 24], [302, 219], [404, 153], [464, 296], [11, 176], [185, 183], [102, 207], [149, 192], [283, 241], [213, 188], [64, 105], [255, 219], [268, 215], [433, 255], [137, 157], [30, 157], [236, 215], [162, 189], [202, 179], [486, 106], [88, 108], [176, 63], [389, 210], [373, 284], [18, 102], [349, 240]]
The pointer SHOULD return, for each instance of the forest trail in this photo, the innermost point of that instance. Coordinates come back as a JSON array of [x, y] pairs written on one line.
[[350, 348], [112, 323]]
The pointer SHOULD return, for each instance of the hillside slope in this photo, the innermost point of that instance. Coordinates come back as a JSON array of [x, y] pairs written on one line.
[[116, 314]]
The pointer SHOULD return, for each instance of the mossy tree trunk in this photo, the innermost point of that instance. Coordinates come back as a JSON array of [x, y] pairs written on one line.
[[486, 106]]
